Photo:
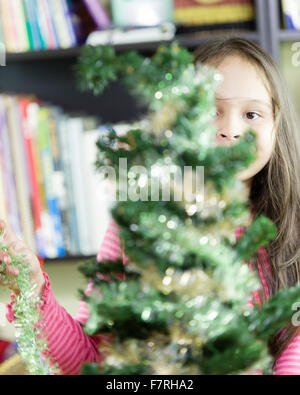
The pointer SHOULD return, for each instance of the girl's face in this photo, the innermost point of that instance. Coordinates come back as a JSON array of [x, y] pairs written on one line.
[[243, 103]]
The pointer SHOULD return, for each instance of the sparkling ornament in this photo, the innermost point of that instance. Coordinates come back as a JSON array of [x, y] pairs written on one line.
[[32, 346]]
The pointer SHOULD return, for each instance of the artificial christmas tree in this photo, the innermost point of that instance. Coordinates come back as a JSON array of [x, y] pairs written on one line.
[[182, 308]]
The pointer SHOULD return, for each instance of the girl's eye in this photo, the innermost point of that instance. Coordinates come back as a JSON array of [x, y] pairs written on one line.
[[216, 114], [252, 115]]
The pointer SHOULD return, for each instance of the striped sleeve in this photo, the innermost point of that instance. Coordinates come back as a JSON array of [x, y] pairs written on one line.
[[289, 361], [110, 249], [68, 346]]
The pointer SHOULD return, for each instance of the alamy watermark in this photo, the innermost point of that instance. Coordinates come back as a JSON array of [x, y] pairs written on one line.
[[296, 56], [162, 182], [2, 55], [296, 316]]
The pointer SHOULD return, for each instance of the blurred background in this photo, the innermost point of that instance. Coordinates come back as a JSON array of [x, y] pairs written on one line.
[[49, 191]]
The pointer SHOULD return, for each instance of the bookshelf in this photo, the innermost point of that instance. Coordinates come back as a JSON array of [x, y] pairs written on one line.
[[49, 75], [274, 34], [188, 40]]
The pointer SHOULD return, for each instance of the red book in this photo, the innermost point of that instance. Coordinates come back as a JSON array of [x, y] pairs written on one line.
[[34, 187]]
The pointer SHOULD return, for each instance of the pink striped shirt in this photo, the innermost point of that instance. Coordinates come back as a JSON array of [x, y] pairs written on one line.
[[69, 346]]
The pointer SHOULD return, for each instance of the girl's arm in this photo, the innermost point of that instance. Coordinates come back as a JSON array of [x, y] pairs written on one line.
[[68, 345], [289, 361]]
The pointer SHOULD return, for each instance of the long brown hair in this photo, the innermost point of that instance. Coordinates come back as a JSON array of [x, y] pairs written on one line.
[[275, 190]]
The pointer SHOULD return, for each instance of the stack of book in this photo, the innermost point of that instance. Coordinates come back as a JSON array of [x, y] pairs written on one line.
[[50, 192], [197, 15], [27, 25]]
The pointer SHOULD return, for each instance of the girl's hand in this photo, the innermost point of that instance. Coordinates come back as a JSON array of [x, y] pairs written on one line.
[[18, 247]]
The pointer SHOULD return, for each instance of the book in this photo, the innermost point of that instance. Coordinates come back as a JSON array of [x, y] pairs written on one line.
[[67, 16], [44, 235], [2, 40], [65, 37], [43, 140], [55, 119], [291, 14], [20, 171], [32, 24], [36, 202], [69, 200], [19, 23], [3, 174], [13, 27], [3, 197], [195, 12], [45, 24], [13, 216], [7, 26], [28, 24], [98, 13], [51, 22], [98, 212], [50, 191], [75, 138]]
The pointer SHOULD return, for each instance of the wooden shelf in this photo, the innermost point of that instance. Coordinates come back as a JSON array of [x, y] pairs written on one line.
[[188, 40]]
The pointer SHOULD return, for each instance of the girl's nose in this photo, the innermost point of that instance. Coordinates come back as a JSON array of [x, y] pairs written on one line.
[[227, 138]]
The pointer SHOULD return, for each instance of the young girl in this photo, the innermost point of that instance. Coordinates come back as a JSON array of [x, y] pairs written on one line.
[[252, 95]]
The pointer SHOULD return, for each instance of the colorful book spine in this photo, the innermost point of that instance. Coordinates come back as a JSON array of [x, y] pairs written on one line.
[[19, 23], [36, 203], [68, 19], [50, 192], [44, 237], [4, 202], [2, 39], [13, 28], [98, 13], [56, 117], [28, 28], [7, 27], [32, 25], [45, 26], [66, 164], [48, 170], [75, 131], [13, 216], [27, 25], [51, 22], [20, 171], [61, 25]]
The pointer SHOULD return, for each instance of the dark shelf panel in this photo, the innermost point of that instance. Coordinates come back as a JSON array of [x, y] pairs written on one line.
[[194, 40], [42, 55], [69, 259], [53, 80], [50, 76], [188, 40], [289, 35]]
